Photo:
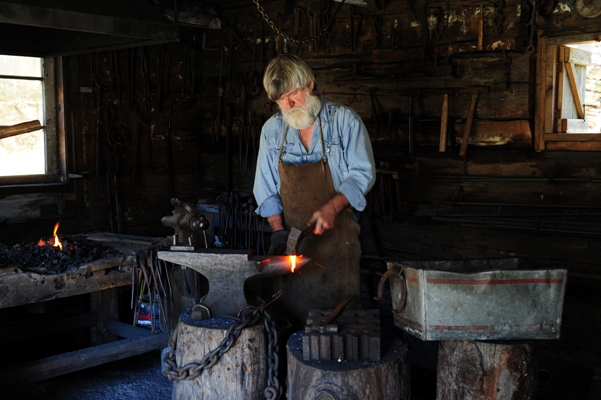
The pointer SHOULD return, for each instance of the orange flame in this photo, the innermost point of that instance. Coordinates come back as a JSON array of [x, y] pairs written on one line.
[[57, 242], [293, 263]]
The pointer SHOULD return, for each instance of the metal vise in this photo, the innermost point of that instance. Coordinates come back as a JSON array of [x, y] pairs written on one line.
[[186, 221], [227, 274]]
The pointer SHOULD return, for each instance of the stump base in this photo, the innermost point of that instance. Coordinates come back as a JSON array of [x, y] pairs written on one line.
[[241, 373], [469, 370], [349, 380]]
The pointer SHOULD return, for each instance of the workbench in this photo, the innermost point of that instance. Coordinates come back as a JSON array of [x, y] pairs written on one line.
[[101, 280]]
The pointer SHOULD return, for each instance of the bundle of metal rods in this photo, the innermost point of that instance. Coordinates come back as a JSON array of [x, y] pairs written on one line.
[[151, 289], [240, 227]]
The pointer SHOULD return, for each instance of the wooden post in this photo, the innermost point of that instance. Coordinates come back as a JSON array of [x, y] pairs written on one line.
[[349, 380], [241, 373], [469, 370]]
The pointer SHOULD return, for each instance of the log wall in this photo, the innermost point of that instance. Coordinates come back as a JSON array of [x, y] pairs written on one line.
[[385, 60]]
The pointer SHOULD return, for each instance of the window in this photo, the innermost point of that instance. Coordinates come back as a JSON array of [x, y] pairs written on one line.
[[27, 94], [568, 96]]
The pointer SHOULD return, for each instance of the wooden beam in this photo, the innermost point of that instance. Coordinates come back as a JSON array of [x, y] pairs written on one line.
[[26, 288], [19, 129], [573, 137], [65, 363], [541, 94], [575, 94], [38, 329], [126, 331]]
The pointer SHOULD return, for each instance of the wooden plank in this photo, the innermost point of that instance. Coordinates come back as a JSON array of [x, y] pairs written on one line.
[[541, 94], [559, 88], [497, 133], [126, 331], [578, 104], [50, 367], [19, 129], [574, 146], [26, 288], [573, 137], [38, 329]]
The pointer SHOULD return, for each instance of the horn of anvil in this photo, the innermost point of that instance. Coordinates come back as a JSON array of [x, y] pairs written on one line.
[[226, 273]]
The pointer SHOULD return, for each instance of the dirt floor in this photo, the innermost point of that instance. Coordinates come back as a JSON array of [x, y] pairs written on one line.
[[140, 378], [134, 378]]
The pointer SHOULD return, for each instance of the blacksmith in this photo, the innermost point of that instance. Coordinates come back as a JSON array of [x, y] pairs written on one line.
[[315, 167]]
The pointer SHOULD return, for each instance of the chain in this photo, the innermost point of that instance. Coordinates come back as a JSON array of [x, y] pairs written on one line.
[[248, 316], [497, 19], [322, 33]]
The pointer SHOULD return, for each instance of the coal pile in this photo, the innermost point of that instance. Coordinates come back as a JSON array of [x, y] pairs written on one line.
[[48, 259]]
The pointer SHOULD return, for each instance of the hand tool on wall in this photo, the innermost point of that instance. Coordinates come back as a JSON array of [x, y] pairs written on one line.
[[418, 8], [411, 127], [481, 5], [168, 154], [475, 92], [444, 120], [97, 84], [468, 125], [135, 121]]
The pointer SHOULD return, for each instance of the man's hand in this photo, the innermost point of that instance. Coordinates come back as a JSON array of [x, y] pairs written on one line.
[[324, 218], [278, 243]]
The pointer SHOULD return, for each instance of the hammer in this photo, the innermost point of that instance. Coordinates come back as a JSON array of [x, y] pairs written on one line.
[[295, 237]]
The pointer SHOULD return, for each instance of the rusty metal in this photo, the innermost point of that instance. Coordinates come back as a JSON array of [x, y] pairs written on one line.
[[227, 274], [488, 299], [358, 337]]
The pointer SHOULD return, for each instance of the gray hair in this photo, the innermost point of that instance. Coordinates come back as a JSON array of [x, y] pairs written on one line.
[[285, 73]]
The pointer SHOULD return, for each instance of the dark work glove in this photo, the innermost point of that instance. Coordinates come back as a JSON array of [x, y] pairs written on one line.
[[278, 242]]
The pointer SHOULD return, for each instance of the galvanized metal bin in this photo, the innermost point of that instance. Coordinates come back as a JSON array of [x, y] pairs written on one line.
[[500, 299]]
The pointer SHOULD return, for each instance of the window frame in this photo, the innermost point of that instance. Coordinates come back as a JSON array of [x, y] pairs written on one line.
[[545, 139], [55, 146]]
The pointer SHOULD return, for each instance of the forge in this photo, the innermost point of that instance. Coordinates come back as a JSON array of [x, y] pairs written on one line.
[[228, 272]]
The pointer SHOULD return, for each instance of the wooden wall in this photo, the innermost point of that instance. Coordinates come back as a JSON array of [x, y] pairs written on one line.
[[389, 60]]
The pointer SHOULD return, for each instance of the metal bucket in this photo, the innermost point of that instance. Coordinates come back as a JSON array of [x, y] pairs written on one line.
[[497, 299]]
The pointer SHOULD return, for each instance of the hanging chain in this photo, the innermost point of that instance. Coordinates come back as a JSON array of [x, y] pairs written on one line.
[[322, 33], [248, 316]]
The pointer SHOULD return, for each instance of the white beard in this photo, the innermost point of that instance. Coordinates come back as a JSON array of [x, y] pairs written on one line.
[[301, 118]]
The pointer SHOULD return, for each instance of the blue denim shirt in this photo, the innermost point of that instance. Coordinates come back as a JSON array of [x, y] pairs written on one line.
[[347, 147]]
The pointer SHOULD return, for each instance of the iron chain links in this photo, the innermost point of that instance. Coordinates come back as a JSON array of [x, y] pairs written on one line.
[[322, 33], [248, 317]]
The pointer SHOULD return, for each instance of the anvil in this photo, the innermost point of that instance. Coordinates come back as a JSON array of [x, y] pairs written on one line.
[[227, 274]]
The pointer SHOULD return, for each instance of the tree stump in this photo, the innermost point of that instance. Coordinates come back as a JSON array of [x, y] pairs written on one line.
[[348, 380], [241, 373], [469, 370]]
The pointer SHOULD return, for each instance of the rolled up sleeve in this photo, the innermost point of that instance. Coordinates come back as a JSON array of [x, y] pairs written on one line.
[[267, 180], [360, 173]]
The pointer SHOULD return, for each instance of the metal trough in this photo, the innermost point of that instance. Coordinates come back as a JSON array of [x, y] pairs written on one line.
[[500, 299]]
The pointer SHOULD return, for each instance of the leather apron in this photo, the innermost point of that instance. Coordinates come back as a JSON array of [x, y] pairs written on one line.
[[333, 272]]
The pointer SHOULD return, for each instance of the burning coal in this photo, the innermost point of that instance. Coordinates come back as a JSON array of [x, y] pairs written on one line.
[[54, 256]]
